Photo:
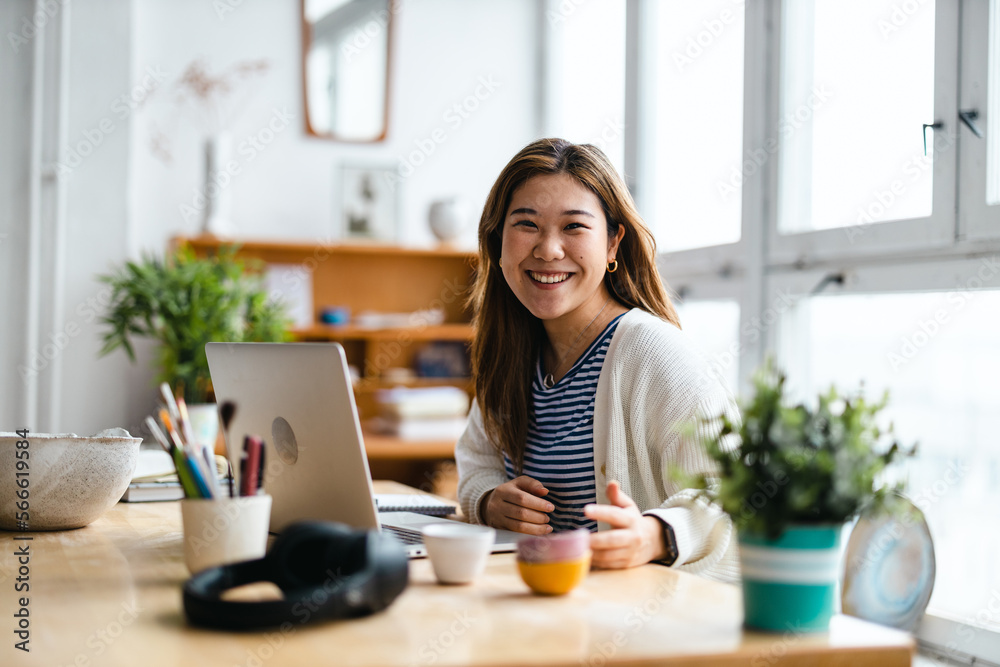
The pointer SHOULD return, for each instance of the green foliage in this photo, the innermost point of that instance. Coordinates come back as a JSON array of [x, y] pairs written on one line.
[[783, 465], [183, 303]]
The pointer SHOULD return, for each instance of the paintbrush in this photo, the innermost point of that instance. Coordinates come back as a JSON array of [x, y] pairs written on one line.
[[176, 452], [184, 423], [226, 412], [157, 434], [199, 453], [170, 402], [171, 431]]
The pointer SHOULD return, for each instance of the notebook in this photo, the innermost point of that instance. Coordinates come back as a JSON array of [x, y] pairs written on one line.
[[413, 502], [298, 397]]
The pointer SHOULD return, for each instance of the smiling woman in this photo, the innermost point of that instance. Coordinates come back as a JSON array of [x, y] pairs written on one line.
[[583, 377], [557, 246]]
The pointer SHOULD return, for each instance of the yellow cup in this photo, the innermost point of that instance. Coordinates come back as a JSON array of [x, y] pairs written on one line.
[[556, 578]]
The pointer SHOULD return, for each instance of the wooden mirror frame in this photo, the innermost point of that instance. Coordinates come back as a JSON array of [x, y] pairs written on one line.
[[392, 7]]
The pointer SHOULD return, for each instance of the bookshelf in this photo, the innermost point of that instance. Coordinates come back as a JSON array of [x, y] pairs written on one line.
[[387, 279]]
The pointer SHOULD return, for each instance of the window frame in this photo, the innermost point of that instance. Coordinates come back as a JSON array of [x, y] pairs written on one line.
[[895, 236], [977, 220]]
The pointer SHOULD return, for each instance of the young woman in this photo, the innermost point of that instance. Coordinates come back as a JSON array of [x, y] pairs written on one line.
[[583, 377]]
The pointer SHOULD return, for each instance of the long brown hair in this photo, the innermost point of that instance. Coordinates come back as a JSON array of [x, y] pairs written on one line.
[[508, 337]]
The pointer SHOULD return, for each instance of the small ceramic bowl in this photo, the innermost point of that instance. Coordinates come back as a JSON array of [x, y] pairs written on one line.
[[566, 545], [556, 577], [556, 563], [71, 479], [458, 551]]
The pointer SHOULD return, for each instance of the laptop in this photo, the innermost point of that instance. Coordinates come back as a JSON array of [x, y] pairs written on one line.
[[298, 397]]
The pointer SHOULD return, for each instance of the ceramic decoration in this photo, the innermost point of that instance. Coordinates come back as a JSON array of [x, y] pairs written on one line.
[[889, 569], [447, 218]]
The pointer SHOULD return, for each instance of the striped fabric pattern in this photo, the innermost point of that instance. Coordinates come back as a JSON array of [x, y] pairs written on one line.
[[560, 445]]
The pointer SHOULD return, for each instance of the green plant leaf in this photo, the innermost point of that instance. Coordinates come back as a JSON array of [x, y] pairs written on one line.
[[182, 302], [797, 464]]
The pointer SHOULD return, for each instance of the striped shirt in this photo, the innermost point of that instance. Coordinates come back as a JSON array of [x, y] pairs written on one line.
[[560, 445]]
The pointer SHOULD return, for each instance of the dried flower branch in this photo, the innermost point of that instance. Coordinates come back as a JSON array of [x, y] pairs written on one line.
[[218, 98]]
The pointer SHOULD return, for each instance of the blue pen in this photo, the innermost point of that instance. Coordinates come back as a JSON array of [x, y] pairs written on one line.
[[195, 470]]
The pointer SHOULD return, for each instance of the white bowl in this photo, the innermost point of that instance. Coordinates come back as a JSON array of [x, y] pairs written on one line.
[[71, 479], [457, 551]]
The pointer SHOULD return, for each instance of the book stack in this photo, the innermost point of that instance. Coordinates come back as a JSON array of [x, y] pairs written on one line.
[[422, 413]]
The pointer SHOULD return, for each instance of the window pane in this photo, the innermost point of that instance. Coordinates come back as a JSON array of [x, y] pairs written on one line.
[[938, 356], [699, 166], [587, 91], [857, 86], [715, 327]]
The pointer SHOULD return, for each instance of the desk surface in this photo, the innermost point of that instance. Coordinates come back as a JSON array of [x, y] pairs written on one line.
[[109, 594]]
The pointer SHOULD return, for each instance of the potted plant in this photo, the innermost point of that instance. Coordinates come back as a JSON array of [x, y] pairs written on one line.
[[183, 302], [791, 477]]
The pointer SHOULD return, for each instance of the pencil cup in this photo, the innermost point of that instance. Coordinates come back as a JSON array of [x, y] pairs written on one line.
[[224, 530]]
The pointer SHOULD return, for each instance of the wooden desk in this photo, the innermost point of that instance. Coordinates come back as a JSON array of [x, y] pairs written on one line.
[[109, 594]]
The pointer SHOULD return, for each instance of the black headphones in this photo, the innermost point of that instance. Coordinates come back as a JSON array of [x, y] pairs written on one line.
[[325, 570]]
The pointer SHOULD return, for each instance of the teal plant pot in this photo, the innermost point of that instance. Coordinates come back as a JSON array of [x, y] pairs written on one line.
[[790, 584]]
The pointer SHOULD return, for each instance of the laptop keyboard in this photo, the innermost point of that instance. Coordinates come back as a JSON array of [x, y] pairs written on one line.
[[404, 535]]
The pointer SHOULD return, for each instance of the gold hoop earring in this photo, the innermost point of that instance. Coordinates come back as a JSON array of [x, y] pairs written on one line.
[[500, 263], [612, 266]]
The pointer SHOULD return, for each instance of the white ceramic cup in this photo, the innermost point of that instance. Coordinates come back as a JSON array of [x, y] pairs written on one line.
[[224, 530], [458, 551]]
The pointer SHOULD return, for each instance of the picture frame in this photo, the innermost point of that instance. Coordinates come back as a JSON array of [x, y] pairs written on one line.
[[368, 203]]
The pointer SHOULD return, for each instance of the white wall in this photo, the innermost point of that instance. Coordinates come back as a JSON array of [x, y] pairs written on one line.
[[440, 50], [15, 158], [121, 200], [52, 378]]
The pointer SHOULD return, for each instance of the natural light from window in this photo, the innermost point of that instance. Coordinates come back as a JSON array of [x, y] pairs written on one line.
[[699, 165], [715, 327], [937, 354], [587, 96], [857, 86]]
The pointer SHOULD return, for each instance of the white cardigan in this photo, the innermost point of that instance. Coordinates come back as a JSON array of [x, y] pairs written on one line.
[[654, 380]]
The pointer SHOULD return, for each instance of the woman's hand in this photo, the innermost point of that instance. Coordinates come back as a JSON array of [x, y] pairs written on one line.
[[633, 540], [518, 505]]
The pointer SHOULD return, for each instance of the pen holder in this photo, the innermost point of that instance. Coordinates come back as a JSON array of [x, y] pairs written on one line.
[[224, 530]]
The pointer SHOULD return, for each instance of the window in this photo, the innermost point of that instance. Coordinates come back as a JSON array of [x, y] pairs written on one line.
[[585, 75], [715, 327], [847, 242], [937, 355], [851, 123], [696, 74], [860, 85]]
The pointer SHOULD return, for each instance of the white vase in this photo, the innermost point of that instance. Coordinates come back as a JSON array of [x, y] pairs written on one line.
[[217, 188], [447, 218], [204, 423]]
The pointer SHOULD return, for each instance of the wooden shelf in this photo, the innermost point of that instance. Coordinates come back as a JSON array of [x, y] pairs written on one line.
[[365, 385], [319, 250], [338, 332], [387, 447], [380, 278], [390, 279]]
